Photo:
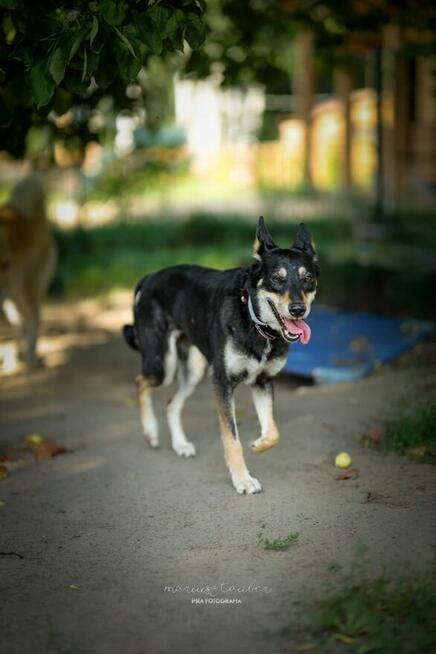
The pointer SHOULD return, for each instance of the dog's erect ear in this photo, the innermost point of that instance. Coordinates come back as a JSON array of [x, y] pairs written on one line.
[[263, 241], [303, 241]]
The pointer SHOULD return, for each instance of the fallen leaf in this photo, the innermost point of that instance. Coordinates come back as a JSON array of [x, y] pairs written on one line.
[[2, 503], [74, 587], [374, 434], [4, 458], [3, 472], [47, 450], [351, 473]]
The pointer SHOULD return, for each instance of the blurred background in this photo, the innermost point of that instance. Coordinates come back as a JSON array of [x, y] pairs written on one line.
[[163, 136]]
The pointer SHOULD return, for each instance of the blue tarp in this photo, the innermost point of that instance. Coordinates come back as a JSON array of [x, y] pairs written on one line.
[[346, 346]]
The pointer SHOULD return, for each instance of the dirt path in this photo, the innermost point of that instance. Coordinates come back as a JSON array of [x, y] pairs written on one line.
[[103, 530]]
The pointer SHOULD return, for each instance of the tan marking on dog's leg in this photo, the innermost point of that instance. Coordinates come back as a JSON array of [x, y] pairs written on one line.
[[146, 412], [241, 478], [190, 374], [270, 437]]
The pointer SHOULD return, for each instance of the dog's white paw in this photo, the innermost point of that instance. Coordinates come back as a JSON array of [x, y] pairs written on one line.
[[248, 485], [185, 450]]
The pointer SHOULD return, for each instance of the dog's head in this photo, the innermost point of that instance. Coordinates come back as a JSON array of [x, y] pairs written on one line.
[[286, 281]]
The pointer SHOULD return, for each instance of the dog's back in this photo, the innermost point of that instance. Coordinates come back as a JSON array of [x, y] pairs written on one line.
[[24, 228]]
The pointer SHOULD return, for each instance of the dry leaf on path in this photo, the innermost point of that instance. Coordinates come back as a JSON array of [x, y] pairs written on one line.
[[47, 450], [374, 434], [351, 473]]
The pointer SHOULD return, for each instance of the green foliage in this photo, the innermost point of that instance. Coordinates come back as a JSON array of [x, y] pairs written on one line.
[[119, 253], [115, 256], [252, 41], [154, 175], [381, 617], [413, 432], [278, 544], [42, 85], [54, 48]]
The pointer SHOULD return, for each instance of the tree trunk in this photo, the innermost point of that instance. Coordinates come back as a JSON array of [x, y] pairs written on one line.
[[396, 119], [304, 88], [343, 84]]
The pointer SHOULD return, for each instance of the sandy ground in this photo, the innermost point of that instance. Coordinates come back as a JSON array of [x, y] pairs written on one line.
[[106, 529]]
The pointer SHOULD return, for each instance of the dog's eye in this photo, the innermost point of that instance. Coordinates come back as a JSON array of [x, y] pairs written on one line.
[[275, 278], [308, 278]]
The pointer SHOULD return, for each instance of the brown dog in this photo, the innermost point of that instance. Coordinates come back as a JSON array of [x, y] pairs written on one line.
[[27, 262]]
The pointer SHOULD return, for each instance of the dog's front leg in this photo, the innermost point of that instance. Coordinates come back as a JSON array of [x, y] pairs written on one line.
[[241, 478], [263, 401]]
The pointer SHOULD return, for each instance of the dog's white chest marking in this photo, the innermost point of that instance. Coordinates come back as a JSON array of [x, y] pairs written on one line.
[[238, 363]]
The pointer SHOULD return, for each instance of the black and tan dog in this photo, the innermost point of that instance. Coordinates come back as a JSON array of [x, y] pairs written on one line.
[[237, 322]]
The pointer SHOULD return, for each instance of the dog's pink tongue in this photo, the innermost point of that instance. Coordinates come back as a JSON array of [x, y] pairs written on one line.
[[300, 328]]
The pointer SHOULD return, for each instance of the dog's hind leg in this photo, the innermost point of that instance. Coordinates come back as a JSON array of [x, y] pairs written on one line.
[[262, 392], [146, 412], [190, 372], [23, 312], [28, 296], [241, 478], [10, 356]]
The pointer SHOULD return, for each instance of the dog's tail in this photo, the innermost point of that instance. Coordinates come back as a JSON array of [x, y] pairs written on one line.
[[130, 336]]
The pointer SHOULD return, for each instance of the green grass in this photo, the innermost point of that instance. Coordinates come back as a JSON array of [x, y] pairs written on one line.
[[96, 260], [278, 544], [380, 617], [116, 255], [413, 432]]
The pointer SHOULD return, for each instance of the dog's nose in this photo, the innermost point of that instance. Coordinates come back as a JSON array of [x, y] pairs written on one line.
[[297, 309]]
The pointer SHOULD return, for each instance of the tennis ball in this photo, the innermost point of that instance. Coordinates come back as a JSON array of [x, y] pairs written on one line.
[[343, 460]]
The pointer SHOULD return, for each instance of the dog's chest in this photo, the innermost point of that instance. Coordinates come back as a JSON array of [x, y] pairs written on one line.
[[248, 368]]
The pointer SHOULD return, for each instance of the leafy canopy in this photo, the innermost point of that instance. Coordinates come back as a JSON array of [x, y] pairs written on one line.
[[54, 53]]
